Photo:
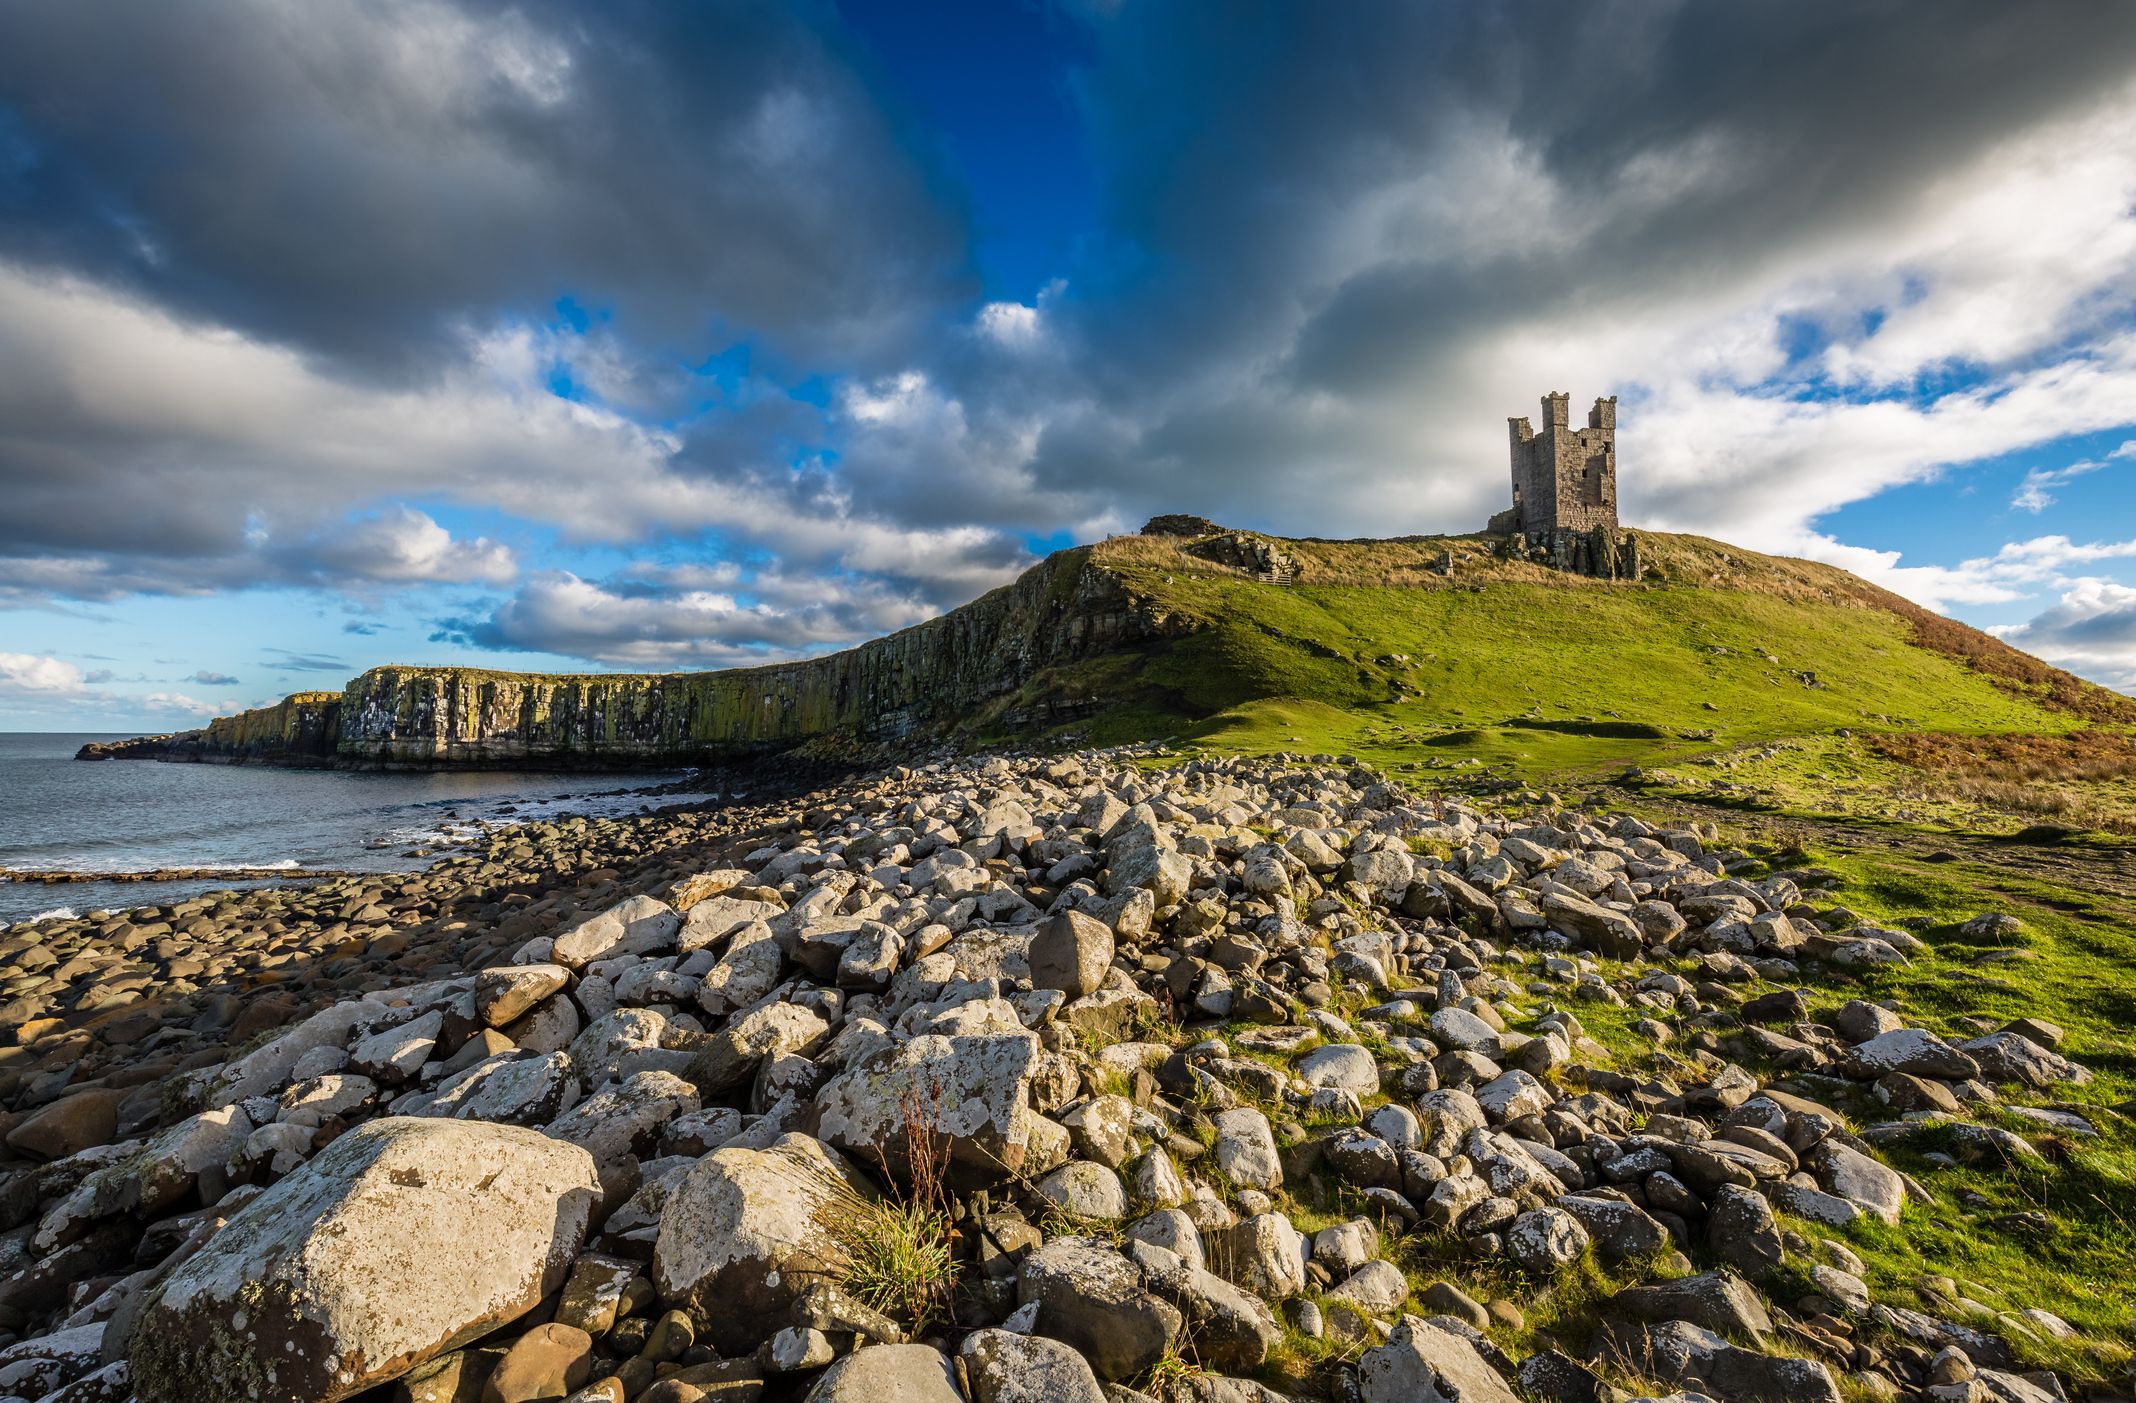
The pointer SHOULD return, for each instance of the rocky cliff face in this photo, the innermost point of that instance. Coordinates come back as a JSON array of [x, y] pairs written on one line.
[[973, 667], [297, 730]]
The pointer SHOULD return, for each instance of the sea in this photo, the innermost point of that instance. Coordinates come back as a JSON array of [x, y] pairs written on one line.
[[140, 815]]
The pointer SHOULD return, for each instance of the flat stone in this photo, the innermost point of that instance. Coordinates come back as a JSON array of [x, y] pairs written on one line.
[[331, 1281]]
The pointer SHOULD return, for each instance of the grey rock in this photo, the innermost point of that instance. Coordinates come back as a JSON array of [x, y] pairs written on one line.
[[1546, 1240], [1619, 1229], [1246, 1149], [1003, 1367], [1717, 1300], [1422, 1363], [1679, 1353], [746, 1232], [1092, 1298], [882, 1373], [334, 1270], [1072, 953], [1741, 1231]]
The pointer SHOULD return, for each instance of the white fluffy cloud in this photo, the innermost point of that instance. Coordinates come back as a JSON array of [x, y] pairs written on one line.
[[2091, 629], [404, 546], [189, 417], [41, 684], [36, 675]]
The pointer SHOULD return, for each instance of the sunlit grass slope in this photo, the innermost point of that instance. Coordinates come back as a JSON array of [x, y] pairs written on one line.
[[1513, 670]]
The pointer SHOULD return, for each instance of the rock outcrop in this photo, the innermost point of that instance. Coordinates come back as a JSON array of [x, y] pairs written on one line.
[[977, 668]]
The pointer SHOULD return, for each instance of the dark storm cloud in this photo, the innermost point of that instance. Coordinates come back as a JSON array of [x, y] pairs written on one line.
[[357, 180], [270, 273], [1354, 193], [1798, 122]]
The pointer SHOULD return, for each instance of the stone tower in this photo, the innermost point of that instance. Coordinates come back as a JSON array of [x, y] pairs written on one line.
[[1564, 507], [1564, 479]]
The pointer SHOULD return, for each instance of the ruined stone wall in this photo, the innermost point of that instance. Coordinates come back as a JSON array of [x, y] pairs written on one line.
[[1564, 478]]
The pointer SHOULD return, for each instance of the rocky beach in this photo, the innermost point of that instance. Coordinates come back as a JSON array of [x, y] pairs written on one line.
[[1084, 1077]]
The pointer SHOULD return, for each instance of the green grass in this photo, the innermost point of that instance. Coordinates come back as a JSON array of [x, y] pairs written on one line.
[[1532, 682], [1532, 677], [2072, 965]]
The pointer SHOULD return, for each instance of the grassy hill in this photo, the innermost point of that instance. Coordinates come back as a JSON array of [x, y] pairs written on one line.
[[1720, 672]]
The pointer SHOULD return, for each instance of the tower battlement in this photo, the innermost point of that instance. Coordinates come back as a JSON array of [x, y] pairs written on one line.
[[1565, 490], [1564, 478]]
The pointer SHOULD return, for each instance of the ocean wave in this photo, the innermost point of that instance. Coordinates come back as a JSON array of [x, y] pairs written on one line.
[[116, 869]]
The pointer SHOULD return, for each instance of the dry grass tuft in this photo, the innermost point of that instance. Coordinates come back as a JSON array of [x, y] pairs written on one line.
[[901, 1249]]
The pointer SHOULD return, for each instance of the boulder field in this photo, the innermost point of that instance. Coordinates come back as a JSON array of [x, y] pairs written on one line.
[[1046, 1079]]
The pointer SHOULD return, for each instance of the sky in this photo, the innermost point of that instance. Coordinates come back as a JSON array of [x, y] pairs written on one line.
[[662, 336]]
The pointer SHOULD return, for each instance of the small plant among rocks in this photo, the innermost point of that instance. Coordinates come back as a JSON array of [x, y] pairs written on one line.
[[901, 1248]]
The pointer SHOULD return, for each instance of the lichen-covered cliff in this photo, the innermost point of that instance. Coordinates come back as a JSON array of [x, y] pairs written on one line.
[[297, 730], [977, 667]]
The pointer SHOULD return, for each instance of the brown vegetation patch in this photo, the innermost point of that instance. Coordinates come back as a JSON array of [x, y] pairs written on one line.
[[2038, 776], [2083, 756]]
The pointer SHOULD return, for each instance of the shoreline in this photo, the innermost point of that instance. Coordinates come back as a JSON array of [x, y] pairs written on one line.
[[390, 850], [71, 876], [1227, 956]]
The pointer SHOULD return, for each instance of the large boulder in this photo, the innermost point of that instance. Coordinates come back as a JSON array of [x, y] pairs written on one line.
[[1229, 1328], [1246, 1149], [68, 1126], [1915, 1051], [2011, 1056], [147, 1180], [747, 1232], [1151, 866], [1345, 1065], [1073, 953], [641, 925], [1421, 1363], [1004, 1367], [1609, 932], [1847, 1173], [400, 1241], [506, 992], [1092, 1298], [1618, 1229], [979, 1093], [626, 1118], [1718, 1300], [1683, 1355]]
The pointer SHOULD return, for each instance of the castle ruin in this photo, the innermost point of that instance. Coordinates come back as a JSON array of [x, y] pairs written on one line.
[[1564, 511]]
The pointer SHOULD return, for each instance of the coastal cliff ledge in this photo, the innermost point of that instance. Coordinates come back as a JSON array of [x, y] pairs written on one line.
[[982, 665]]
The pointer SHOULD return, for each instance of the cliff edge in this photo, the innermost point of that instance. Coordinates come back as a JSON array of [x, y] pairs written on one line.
[[977, 667], [1249, 643]]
